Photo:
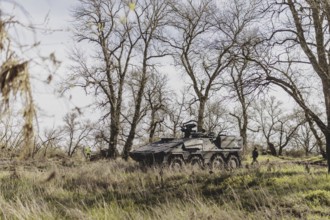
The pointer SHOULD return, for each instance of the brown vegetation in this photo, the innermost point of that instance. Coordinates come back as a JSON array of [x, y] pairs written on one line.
[[121, 190]]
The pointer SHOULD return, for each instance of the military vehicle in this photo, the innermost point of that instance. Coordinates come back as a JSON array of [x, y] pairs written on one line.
[[199, 149]]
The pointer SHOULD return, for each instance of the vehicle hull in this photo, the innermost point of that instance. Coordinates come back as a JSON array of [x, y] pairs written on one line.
[[205, 148]]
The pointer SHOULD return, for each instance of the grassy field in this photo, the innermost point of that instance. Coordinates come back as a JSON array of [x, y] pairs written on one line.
[[276, 189]]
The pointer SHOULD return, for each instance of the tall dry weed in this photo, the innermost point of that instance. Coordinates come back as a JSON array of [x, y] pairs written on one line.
[[15, 78]]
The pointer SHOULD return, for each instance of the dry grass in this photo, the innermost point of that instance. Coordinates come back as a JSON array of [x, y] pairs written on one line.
[[120, 190]]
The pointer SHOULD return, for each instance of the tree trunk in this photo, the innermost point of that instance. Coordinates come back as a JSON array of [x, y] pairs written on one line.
[[272, 149], [326, 89], [201, 110], [306, 151], [280, 150], [317, 137], [327, 141], [131, 135], [243, 131], [244, 139], [174, 131], [136, 117], [112, 145], [326, 92], [153, 126]]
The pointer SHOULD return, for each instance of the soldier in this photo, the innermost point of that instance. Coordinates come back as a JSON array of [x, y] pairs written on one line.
[[255, 155], [88, 152]]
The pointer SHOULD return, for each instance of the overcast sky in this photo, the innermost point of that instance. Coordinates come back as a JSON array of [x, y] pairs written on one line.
[[52, 21]]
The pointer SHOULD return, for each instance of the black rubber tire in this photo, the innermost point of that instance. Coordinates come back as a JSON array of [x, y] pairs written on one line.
[[218, 163], [232, 162], [176, 163], [197, 162]]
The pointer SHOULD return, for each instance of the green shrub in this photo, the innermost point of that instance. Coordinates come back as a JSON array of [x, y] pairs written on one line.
[[318, 197]]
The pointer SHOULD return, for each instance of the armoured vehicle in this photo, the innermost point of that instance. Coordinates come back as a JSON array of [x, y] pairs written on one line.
[[196, 148]]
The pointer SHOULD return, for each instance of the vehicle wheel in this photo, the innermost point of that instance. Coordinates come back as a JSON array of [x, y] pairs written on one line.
[[176, 163], [217, 163], [232, 162], [196, 162]]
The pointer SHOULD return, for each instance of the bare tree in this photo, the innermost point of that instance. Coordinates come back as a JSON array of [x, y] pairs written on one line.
[[50, 140], [104, 24], [11, 134], [77, 132], [242, 86], [204, 37], [305, 139], [150, 17], [176, 112], [286, 129], [277, 127], [216, 118], [123, 35], [157, 97], [266, 115], [301, 38], [10, 130]]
